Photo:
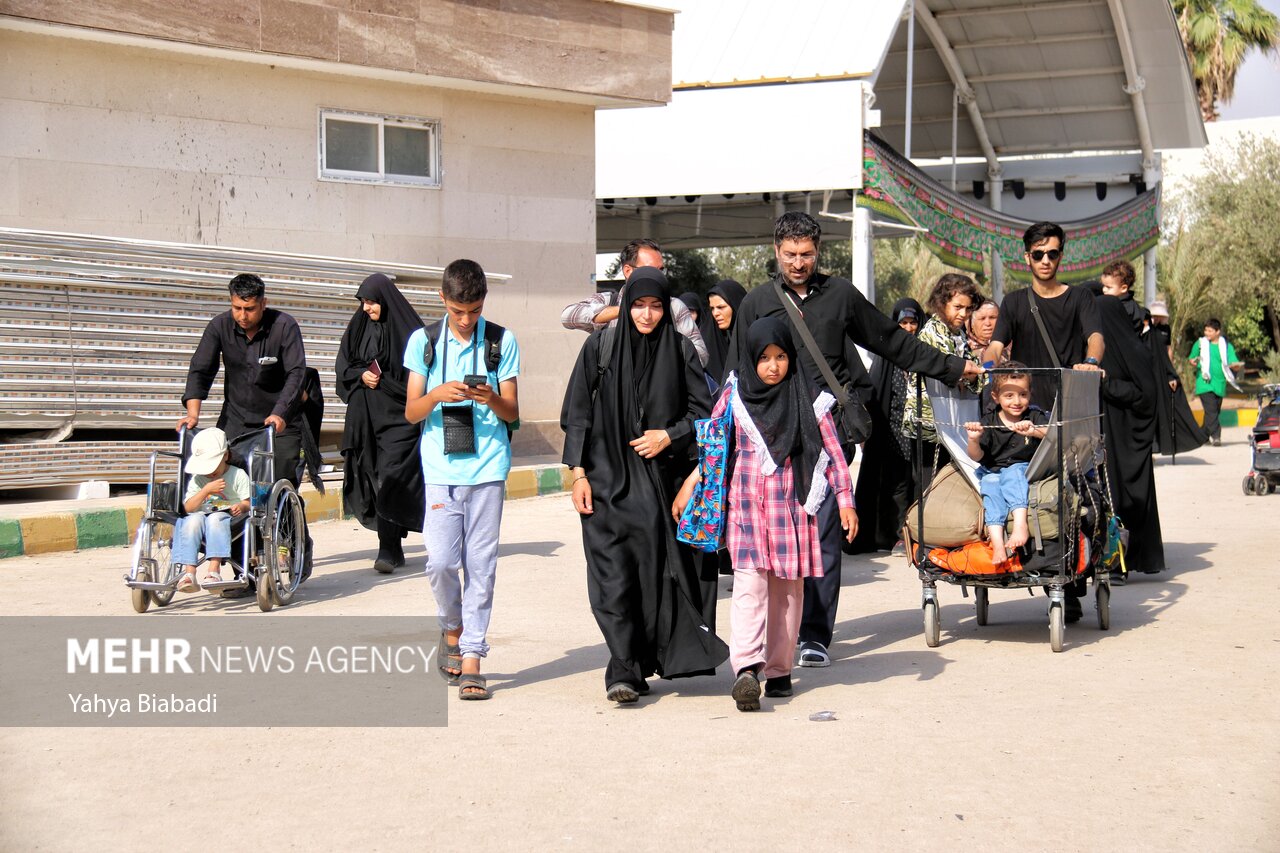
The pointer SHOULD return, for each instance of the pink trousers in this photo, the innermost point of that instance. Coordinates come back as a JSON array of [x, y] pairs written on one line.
[[764, 621]]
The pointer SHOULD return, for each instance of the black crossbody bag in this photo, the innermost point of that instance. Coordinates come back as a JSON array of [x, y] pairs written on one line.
[[851, 415]]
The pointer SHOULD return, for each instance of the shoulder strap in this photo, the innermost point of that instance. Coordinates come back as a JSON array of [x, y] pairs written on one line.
[[1044, 333], [806, 339], [430, 332], [492, 344], [604, 356]]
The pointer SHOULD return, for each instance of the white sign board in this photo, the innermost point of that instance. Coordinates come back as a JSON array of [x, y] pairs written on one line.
[[776, 138]]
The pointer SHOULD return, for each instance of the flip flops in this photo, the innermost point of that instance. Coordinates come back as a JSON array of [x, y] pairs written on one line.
[[449, 656], [473, 685], [814, 654]]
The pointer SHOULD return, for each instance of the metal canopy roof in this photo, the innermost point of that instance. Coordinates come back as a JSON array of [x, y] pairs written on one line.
[[1045, 77], [1040, 77]]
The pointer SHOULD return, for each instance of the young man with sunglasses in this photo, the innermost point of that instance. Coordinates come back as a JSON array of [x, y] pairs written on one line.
[[1071, 323], [1070, 316]]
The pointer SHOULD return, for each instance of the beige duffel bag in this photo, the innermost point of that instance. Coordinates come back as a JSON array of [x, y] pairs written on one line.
[[952, 511]]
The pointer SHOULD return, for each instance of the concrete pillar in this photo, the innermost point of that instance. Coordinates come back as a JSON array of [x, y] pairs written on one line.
[[1151, 173], [863, 264], [997, 264]]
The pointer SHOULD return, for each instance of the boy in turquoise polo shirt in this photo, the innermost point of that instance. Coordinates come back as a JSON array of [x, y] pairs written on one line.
[[465, 447], [1215, 359]]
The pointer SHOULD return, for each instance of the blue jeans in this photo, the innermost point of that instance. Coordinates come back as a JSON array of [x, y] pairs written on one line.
[[461, 532], [213, 527], [1003, 491]]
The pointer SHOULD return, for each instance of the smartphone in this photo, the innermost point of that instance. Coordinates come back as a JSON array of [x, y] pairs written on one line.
[[375, 368], [471, 380]]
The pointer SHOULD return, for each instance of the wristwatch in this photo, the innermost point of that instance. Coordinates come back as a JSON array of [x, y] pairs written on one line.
[[1091, 360]]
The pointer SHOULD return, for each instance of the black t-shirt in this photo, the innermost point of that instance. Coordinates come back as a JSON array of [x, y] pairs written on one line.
[[1002, 447], [1069, 318]]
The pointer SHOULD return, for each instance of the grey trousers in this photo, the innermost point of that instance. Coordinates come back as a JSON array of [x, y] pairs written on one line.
[[461, 532]]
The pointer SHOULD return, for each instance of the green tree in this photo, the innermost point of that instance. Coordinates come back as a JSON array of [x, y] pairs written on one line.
[[687, 269], [690, 269], [750, 266], [1246, 332], [905, 267], [1218, 36], [1186, 280], [1236, 206]]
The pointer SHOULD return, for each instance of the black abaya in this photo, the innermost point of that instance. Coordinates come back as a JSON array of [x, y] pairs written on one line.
[[656, 614], [382, 476], [886, 480], [1176, 428], [1129, 396]]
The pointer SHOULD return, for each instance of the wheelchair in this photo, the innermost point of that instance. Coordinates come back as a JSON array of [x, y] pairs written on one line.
[[268, 549]]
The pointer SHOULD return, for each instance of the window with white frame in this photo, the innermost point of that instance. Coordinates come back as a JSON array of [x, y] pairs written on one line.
[[381, 149]]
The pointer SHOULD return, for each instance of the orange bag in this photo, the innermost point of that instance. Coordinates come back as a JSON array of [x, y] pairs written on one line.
[[973, 559]]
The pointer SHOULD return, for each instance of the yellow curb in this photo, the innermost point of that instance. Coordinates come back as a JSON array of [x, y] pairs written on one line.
[[326, 507], [522, 484], [566, 478], [45, 534], [132, 518]]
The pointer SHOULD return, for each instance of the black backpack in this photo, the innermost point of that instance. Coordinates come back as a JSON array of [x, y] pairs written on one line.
[[492, 351]]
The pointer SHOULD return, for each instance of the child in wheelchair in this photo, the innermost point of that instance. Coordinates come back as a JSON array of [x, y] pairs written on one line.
[[216, 494]]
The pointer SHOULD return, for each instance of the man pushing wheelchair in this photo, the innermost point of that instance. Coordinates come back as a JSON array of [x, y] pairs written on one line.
[[265, 364]]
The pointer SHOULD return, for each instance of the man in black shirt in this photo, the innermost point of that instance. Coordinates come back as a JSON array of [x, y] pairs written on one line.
[[1071, 324], [836, 313], [265, 368], [1070, 316]]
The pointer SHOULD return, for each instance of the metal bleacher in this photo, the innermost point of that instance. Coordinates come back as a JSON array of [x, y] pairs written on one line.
[[96, 334]]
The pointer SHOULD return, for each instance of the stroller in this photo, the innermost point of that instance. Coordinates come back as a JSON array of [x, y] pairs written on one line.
[[1075, 534], [1264, 470]]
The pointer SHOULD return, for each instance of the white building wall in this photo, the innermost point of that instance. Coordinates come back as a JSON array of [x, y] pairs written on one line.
[[135, 142]]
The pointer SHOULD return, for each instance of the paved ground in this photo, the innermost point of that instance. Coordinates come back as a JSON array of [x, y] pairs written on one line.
[[1160, 734]]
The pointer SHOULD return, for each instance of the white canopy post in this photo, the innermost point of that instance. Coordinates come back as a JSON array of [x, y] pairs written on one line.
[[863, 258]]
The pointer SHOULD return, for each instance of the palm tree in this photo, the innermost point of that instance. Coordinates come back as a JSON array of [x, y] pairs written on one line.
[[1218, 35]]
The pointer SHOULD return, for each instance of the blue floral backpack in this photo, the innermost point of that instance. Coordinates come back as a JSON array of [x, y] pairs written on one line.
[[702, 522]]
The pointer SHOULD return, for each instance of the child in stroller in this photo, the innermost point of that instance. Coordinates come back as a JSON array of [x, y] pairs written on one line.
[[1003, 442]]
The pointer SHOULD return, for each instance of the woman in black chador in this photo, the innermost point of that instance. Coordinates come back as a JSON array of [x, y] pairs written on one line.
[[629, 442], [1129, 395], [718, 323], [886, 478], [382, 477]]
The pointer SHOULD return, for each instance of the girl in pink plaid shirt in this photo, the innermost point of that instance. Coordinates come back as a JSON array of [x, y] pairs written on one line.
[[786, 455]]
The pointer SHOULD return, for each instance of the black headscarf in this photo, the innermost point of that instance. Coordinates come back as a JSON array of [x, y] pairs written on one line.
[[717, 340], [783, 413], [693, 302], [382, 475], [647, 363], [384, 339], [908, 308], [882, 370]]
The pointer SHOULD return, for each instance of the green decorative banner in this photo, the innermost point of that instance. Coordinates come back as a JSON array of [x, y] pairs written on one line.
[[960, 231]]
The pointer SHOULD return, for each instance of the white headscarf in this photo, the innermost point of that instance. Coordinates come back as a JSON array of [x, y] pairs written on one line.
[[1222, 356]]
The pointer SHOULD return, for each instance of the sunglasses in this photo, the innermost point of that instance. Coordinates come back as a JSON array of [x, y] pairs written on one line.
[[1038, 254]]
